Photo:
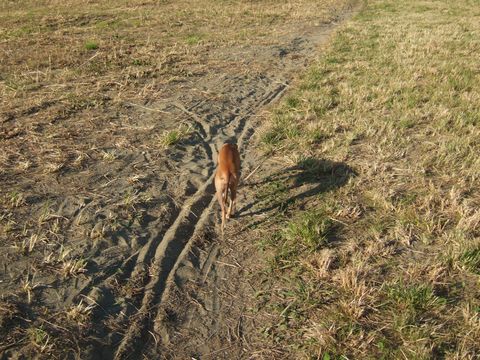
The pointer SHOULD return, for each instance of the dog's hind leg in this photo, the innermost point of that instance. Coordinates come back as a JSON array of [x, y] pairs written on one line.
[[220, 188], [233, 200], [222, 206]]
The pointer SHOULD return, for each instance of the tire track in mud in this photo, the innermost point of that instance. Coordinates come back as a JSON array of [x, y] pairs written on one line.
[[214, 121]]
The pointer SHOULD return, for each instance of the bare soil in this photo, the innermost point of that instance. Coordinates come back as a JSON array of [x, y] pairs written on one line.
[[128, 261]]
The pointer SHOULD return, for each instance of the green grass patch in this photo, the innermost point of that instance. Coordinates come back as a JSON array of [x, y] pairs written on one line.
[[412, 301], [175, 136], [308, 232], [470, 259], [194, 39], [91, 45], [283, 129]]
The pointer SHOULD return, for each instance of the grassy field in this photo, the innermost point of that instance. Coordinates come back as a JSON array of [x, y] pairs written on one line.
[[383, 260], [373, 251]]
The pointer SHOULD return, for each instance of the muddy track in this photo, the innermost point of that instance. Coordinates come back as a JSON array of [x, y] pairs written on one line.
[[172, 246], [215, 119]]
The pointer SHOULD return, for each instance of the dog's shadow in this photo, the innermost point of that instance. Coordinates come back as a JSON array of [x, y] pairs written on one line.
[[321, 175]]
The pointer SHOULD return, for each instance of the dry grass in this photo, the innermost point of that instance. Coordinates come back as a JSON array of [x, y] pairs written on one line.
[[396, 98], [86, 55]]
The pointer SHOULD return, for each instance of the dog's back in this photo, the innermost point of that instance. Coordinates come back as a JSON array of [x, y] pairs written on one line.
[[229, 161]]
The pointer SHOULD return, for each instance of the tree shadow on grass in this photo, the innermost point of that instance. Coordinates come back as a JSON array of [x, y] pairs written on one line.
[[321, 176]]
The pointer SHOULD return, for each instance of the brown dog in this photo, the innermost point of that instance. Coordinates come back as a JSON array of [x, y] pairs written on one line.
[[226, 178]]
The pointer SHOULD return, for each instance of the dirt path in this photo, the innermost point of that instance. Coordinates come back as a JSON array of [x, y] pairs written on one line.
[[164, 284], [188, 302]]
